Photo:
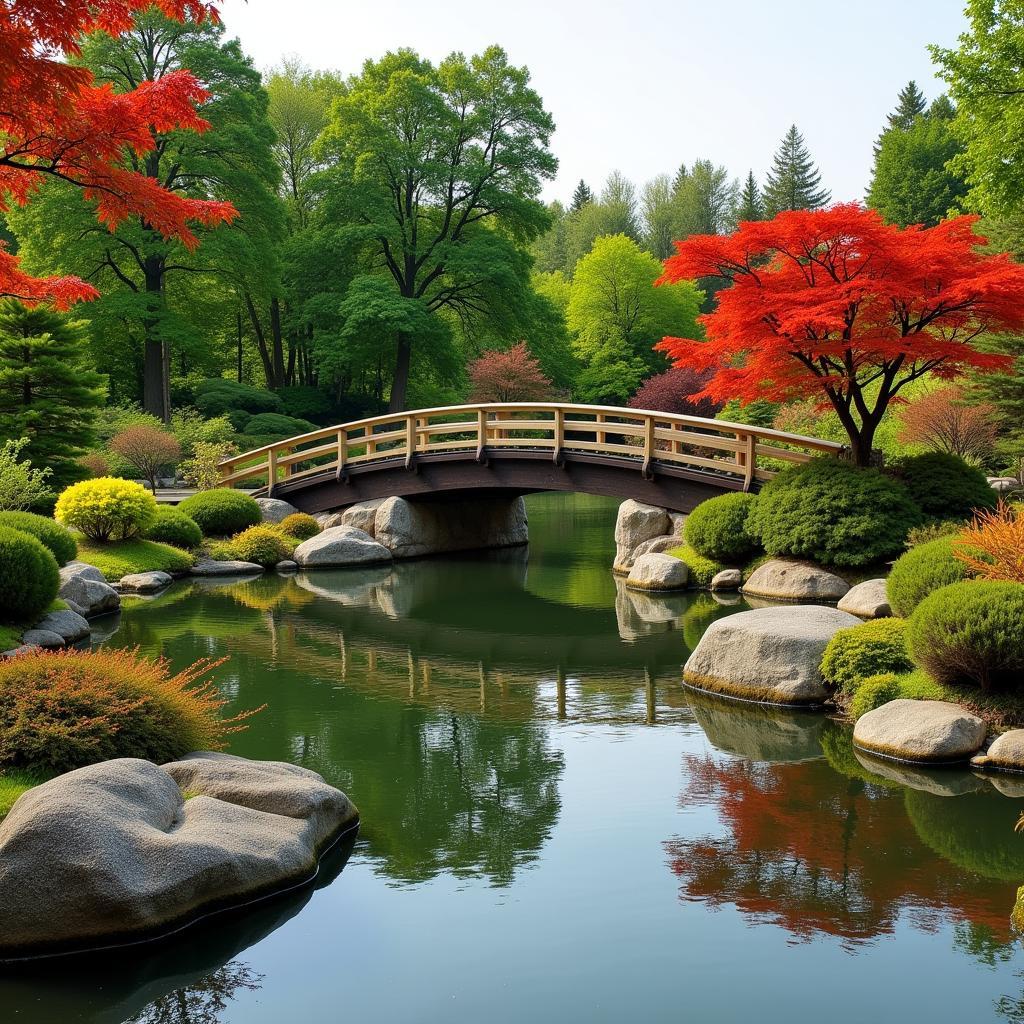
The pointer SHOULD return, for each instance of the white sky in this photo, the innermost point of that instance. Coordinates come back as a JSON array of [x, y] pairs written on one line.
[[643, 86]]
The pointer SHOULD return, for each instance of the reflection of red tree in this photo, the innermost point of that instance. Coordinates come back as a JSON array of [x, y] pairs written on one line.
[[817, 852]]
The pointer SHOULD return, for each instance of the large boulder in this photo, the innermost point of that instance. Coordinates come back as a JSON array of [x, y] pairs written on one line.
[[86, 590], [145, 582], [414, 529], [340, 546], [1006, 752], [115, 852], [273, 510], [784, 580], [658, 572], [867, 600], [769, 655], [67, 624], [920, 731], [634, 524], [362, 516]]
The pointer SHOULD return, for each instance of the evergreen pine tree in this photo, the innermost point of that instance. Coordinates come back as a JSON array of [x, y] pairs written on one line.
[[910, 103], [750, 206], [794, 180], [680, 179], [581, 197], [49, 392]]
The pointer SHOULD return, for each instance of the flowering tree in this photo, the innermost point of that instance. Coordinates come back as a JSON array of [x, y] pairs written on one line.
[[511, 376], [55, 122], [839, 306]]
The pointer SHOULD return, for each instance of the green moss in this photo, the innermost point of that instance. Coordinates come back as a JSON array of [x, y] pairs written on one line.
[[130, 556], [10, 637], [702, 570]]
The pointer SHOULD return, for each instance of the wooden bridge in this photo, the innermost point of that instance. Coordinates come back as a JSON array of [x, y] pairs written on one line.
[[518, 448]]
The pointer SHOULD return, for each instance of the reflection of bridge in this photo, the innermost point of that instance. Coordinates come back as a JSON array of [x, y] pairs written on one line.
[[516, 448]]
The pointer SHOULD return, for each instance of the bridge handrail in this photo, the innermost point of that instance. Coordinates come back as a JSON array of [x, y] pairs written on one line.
[[658, 437]]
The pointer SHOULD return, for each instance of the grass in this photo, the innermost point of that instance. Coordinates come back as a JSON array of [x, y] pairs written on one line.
[[10, 632], [12, 785], [121, 558]]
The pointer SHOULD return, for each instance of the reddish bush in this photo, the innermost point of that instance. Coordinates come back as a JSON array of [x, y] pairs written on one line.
[[673, 391], [511, 376], [944, 422], [96, 464], [148, 449]]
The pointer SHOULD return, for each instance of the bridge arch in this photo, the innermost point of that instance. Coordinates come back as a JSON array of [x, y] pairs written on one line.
[[519, 447]]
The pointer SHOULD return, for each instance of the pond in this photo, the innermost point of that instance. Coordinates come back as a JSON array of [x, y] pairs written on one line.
[[552, 827]]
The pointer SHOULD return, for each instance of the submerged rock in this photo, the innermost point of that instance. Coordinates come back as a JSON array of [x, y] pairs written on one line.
[[867, 600], [768, 654], [115, 853], [921, 731], [784, 580], [211, 567], [658, 572], [727, 579], [339, 546]]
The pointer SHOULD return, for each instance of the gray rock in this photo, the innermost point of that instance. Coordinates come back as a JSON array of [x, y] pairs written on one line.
[[1006, 752], [1004, 484], [23, 649], [656, 546], [921, 731], [42, 638], [211, 567], [113, 852], [784, 580], [340, 546], [414, 529], [68, 625], [145, 582], [287, 565], [727, 579], [86, 591], [769, 654], [867, 600], [273, 510], [658, 572], [676, 525], [634, 524], [362, 516], [329, 519]]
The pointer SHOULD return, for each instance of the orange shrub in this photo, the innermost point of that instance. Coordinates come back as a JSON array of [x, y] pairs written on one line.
[[993, 545], [63, 710]]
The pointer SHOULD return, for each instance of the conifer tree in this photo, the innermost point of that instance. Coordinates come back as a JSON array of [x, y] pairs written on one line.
[[910, 103], [750, 205], [581, 197], [49, 392], [794, 182]]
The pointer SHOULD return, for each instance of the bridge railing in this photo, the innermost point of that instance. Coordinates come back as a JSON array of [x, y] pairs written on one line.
[[650, 439]]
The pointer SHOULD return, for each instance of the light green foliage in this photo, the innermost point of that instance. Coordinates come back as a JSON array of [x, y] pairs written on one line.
[[870, 649], [971, 632], [51, 535], [191, 428], [202, 471], [21, 485], [717, 528], [704, 198], [934, 529], [107, 509], [702, 570], [263, 544], [173, 527], [221, 512], [874, 691], [924, 568], [13, 784], [122, 558], [29, 577], [794, 181]]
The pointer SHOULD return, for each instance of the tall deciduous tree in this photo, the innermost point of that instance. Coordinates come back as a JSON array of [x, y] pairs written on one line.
[[660, 216], [438, 171], [794, 181], [837, 305]]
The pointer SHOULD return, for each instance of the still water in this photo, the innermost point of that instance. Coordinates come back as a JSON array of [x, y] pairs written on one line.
[[552, 828]]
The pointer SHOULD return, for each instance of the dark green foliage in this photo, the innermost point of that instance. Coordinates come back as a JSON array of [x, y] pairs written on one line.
[[306, 403], [174, 527], [29, 576], [971, 632], [220, 397], [221, 512], [921, 570], [833, 512], [945, 486], [871, 648], [581, 195], [274, 424], [794, 181], [718, 528], [51, 535]]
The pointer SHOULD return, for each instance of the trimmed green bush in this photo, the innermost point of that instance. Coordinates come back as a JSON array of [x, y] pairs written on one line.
[[305, 403], [945, 486], [300, 526], [875, 691], [29, 576], [274, 424], [220, 396], [871, 648], [265, 545], [107, 509], [921, 570], [221, 512], [833, 512], [50, 534], [173, 527], [971, 632], [718, 528]]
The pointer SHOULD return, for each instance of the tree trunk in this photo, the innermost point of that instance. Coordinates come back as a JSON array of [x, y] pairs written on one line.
[[400, 384], [277, 342], [154, 384]]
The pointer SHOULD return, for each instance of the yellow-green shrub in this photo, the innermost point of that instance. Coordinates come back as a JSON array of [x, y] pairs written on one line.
[[107, 509], [300, 526], [865, 650], [265, 545]]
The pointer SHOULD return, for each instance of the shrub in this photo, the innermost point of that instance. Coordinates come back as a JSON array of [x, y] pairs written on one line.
[[219, 396], [945, 486], [265, 545], [147, 449], [221, 512], [920, 571], [51, 535], [875, 691], [718, 528], [107, 509], [222, 551], [933, 530], [833, 512], [673, 391], [124, 557], [992, 547], [61, 711], [872, 648], [971, 632], [273, 424], [306, 403], [21, 486], [175, 528], [300, 526], [191, 428], [95, 463], [29, 577], [944, 420], [702, 570], [203, 469]]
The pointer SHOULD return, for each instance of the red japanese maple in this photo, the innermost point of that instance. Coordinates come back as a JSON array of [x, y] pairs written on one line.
[[838, 305], [54, 121], [510, 376]]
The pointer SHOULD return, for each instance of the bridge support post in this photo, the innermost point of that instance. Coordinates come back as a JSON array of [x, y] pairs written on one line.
[[481, 437]]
